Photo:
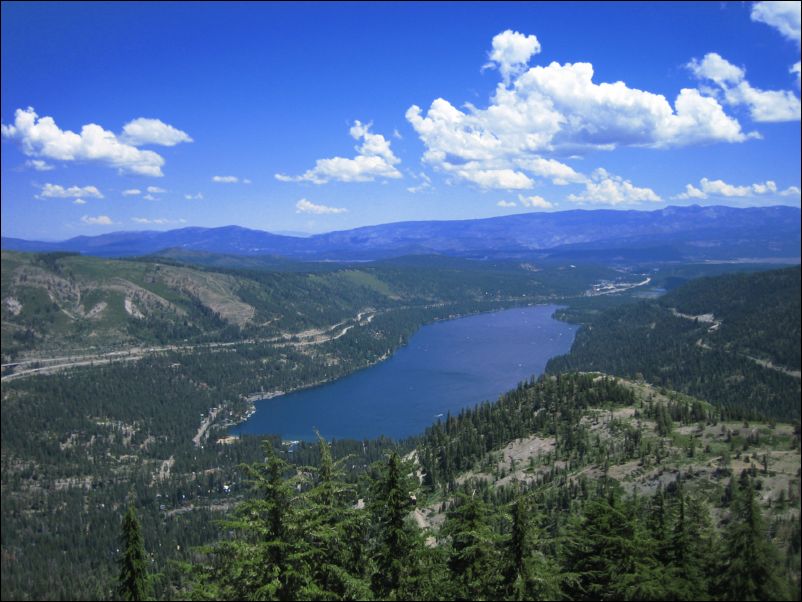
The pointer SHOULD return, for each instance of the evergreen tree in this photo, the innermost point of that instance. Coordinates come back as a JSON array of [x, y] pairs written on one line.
[[530, 575], [611, 556], [750, 565], [688, 553], [333, 535], [258, 562], [397, 548], [133, 580], [473, 560]]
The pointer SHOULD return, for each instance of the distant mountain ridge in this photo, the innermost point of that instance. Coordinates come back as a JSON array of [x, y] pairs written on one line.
[[692, 232]]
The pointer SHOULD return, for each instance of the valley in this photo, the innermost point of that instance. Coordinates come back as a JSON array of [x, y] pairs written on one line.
[[126, 378]]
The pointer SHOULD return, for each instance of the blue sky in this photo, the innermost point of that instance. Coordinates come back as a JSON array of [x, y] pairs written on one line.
[[316, 117]]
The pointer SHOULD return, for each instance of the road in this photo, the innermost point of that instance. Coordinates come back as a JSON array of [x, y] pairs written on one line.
[[317, 336]]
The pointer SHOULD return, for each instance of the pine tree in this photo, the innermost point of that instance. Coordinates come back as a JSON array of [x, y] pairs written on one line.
[[133, 580], [687, 552], [395, 556], [611, 555], [750, 565], [258, 562], [333, 535], [473, 560], [530, 575]]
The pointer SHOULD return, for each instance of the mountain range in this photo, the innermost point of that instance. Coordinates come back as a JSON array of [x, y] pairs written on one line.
[[672, 233]]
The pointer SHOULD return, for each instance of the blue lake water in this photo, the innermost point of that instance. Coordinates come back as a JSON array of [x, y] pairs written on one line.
[[445, 367]]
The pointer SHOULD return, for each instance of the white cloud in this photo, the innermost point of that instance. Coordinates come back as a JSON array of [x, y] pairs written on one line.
[[79, 202], [506, 179], [155, 190], [132, 192], [559, 173], [194, 197], [98, 220], [39, 165], [152, 131], [56, 191], [511, 52], [796, 68], [374, 159], [691, 192], [783, 16], [720, 188], [764, 105], [425, 183], [716, 69], [304, 206], [225, 179], [41, 137], [150, 197], [246, 181], [607, 189], [535, 201], [157, 220], [506, 204], [559, 109]]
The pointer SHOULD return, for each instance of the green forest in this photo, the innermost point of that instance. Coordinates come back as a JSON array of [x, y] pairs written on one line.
[[109, 486], [313, 533], [733, 340]]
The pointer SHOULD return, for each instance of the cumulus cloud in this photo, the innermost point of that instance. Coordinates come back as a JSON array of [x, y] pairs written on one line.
[[39, 165], [152, 131], [225, 179], [157, 220], [149, 197], [304, 206], [374, 159], [691, 192], [795, 69], [97, 220], [41, 137], [783, 16], [559, 173], [511, 52], [194, 197], [558, 108], [425, 183], [507, 179], [132, 192], [720, 188], [56, 191], [763, 105], [604, 188], [79, 202], [535, 201], [716, 69]]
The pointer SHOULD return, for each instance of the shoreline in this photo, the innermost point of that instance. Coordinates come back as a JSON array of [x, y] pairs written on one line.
[[252, 398]]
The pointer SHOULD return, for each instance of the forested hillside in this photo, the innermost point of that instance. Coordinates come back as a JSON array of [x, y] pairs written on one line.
[[57, 303], [608, 490], [733, 340], [146, 427]]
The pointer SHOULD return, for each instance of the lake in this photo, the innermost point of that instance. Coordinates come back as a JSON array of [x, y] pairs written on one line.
[[445, 367]]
